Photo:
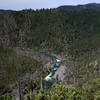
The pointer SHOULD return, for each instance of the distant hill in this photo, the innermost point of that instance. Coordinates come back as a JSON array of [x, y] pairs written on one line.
[[94, 6], [3, 11]]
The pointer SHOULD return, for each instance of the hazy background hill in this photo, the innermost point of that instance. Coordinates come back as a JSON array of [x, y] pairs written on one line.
[[3, 11], [93, 6]]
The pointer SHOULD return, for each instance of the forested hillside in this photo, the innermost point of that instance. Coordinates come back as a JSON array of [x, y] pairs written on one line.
[[62, 31], [14, 66], [74, 35]]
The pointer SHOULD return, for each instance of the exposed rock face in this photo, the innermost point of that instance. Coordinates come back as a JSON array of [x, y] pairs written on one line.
[[60, 73]]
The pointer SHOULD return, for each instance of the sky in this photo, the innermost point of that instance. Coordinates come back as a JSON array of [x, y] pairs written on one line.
[[38, 4]]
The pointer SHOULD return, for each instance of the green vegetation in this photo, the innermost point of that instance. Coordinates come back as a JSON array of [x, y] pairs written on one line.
[[60, 92], [93, 89], [63, 31], [13, 66], [4, 97], [76, 34], [83, 68]]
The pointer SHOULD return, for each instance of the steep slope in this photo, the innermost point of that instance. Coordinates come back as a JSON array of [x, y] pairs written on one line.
[[14, 66], [60, 31]]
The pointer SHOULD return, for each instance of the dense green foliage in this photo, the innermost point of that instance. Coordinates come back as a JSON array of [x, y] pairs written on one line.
[[60, 92], [4, 97]]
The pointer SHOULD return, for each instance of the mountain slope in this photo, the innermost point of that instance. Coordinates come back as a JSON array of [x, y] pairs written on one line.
[[75, 36], [13, 67], [61, 31]]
